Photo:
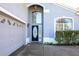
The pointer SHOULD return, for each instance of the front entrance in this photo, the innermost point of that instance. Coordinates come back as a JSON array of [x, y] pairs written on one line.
[[36, 23], [35, 32]]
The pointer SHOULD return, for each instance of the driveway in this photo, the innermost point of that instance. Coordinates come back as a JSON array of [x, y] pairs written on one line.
[[37, 49]]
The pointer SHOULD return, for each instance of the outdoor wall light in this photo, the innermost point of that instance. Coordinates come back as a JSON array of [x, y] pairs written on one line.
[[77, 13], [28, 24]]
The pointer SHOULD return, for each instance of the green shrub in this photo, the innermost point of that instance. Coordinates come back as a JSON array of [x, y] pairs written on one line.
[[59, 36], [67, 37]]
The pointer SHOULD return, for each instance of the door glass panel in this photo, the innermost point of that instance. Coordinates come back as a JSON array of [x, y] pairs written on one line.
[[40, 33], [36, 17], [35, 32]]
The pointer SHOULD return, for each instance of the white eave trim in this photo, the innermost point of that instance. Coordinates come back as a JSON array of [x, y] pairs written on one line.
[[10, 14], [66, 7]]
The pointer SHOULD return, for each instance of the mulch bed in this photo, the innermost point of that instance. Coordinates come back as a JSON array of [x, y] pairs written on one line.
[[63, 44]]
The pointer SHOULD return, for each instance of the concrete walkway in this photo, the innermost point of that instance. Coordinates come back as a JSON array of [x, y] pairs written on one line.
[[37, 49], [33, 49]]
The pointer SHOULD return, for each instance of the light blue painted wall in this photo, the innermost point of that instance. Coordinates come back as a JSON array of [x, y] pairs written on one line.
[[54, 12]]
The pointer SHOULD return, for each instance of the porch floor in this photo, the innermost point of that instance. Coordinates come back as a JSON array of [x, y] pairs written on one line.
[[37, 49]]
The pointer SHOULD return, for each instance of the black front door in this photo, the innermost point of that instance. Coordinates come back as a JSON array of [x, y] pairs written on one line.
[[34, 32]]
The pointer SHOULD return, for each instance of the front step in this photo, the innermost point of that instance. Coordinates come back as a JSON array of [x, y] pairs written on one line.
[[36, 42]]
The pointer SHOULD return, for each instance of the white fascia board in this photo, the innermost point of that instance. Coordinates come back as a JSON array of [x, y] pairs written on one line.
[[66, 7], [11, 15]]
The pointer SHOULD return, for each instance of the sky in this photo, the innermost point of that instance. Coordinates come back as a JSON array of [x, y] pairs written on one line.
[[70, 3]]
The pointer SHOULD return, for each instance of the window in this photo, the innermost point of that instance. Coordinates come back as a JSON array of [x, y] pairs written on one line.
[[68, 24], [36, 17], [63, 24]]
